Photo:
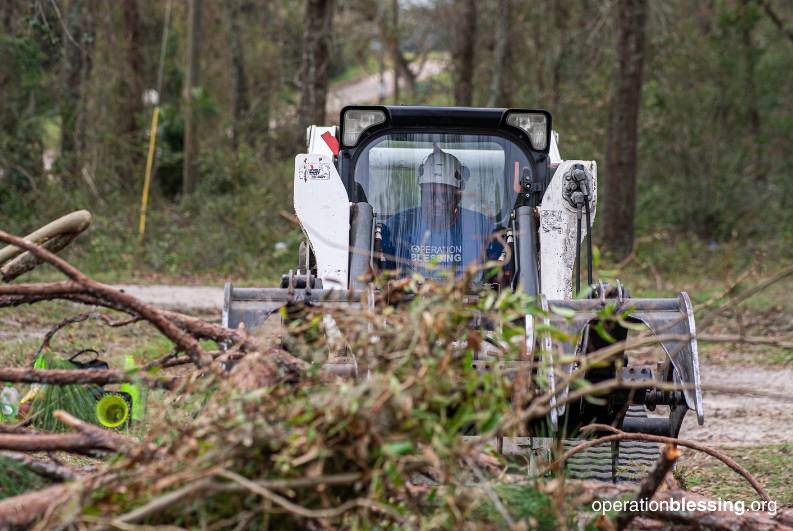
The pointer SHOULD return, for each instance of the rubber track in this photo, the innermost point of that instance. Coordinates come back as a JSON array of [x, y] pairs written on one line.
[[634, 461]]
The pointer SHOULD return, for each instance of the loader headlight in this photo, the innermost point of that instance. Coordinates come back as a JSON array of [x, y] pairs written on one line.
[[356, 121], [535, 125]]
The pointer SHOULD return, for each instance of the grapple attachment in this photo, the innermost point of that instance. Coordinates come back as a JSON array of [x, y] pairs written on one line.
[[671, 324]]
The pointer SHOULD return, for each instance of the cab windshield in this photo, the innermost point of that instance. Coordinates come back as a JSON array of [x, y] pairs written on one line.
[[440, 199]]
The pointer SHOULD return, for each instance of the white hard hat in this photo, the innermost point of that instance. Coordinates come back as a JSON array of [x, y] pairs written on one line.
[[443, 168]]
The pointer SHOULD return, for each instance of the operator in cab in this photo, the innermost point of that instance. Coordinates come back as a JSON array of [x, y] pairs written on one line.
[[439, 238]]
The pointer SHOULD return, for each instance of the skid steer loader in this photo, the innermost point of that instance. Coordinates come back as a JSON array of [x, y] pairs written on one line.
[[408, 187]]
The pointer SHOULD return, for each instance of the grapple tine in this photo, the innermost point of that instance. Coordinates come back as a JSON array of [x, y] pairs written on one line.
[[672, 320]]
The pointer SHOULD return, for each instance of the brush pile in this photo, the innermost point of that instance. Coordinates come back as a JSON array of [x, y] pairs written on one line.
[[273, 436], [281, 437]]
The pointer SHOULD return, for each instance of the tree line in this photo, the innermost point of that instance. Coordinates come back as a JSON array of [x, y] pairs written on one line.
[[684, 105]]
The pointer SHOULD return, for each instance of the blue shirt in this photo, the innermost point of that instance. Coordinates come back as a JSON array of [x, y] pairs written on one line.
[[410, 243]]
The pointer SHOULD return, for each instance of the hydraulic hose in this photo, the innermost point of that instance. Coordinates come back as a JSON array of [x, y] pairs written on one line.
[[578, 251], [588, 238]]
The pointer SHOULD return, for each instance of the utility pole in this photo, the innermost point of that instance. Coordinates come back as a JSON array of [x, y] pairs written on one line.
[[192, 82]]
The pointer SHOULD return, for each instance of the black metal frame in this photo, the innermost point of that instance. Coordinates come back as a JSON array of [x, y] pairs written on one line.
[[424, 119]]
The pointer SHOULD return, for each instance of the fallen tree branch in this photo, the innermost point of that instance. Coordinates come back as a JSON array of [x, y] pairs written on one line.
[[108, 438], [48, 442], [39, 288], [182, 339], [53, 237], [209, 485], [19, 294], [45, 469], [161, 503], [618, 435], [87, 439], [20, 511], [669, 455], [19, 427], [84, 377]]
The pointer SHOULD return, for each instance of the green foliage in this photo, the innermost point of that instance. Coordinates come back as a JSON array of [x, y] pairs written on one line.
[[228, 227], [523, 502], [20, 126], [278, 419], [16, 478], [714, 126], [714, 145]]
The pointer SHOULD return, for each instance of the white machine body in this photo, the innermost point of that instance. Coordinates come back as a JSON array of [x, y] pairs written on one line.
[[557, 229], [323, 209]]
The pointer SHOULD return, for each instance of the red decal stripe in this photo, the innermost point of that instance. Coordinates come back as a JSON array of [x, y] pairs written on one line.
[[331, 141]]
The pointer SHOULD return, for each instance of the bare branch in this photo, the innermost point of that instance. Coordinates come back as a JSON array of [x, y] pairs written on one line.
[[47, 442], [185, 341], [20, 511], [45, 469], [102, 437], [18, 294], [78, 377], [776, 20]]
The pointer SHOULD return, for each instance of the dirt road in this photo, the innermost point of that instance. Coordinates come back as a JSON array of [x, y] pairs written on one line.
[[736, 420]]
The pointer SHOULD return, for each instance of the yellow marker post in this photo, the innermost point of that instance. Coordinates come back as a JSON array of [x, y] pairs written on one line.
[[144, 200]]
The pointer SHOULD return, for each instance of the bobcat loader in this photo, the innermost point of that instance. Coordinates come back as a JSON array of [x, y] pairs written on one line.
[[401, 187]]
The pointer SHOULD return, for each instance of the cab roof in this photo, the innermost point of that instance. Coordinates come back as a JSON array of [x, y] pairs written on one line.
[[425, 116], [479, 117]]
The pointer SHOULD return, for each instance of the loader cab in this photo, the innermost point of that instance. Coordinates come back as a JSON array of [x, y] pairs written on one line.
[[443, 183]]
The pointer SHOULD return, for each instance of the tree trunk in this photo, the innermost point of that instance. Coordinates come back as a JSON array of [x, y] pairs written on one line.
[[9, 16], [564, 37], [315, 65], [622, 135], [464, 45], [497, 83], [396, 53], [133, 76], [390, 39], [241, 104], [75, 70], [191, 83], [750, 56]]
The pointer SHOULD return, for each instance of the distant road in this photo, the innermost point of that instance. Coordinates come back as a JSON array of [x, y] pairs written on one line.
[[367, 90], [192, 297], [363, 91]]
